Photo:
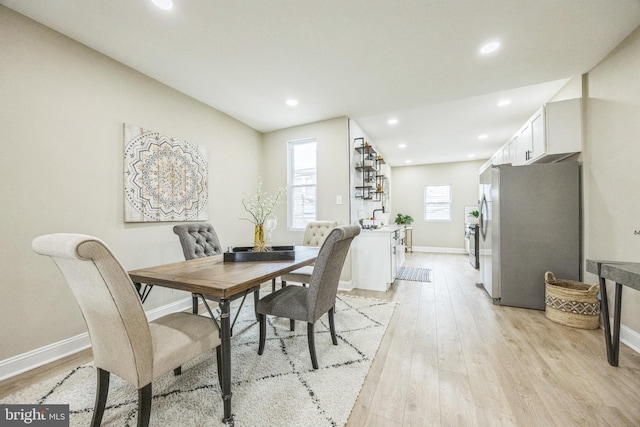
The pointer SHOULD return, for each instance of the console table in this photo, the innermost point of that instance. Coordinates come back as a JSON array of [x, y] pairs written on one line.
[[623, 274]]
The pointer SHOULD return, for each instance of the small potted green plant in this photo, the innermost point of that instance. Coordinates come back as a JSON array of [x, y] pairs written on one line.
[[405, 220]]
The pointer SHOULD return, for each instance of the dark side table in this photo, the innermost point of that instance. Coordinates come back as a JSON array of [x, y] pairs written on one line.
[[623, 274]]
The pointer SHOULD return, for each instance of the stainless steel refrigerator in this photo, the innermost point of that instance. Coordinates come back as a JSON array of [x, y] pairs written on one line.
[[529, 224]]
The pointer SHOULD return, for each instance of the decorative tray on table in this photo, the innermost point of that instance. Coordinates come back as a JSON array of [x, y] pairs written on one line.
[[275, 253]]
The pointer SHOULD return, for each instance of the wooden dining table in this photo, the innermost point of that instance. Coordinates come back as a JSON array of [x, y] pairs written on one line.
[[213, 277]]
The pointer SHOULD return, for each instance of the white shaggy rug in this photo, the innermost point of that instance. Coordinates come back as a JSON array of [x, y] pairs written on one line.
[[278, 388]]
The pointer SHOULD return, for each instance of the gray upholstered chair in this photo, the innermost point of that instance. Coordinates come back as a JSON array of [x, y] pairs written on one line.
[[314, 235], [200, 240], [123, 341], [309, 304]]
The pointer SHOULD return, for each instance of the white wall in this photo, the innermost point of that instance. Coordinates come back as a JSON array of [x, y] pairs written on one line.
[[332, 138], [62, 109], [611, 178], [407, 189]]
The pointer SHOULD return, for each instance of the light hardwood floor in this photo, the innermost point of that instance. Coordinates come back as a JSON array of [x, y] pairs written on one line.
[[452, 358]]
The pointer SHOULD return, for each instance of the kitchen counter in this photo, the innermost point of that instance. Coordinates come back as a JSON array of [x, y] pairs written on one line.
[[623, 274], [385, 229], [377, 256]]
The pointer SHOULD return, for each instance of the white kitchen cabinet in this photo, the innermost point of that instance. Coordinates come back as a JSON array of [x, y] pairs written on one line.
[[377, 255], [552, 133], [504, 154]]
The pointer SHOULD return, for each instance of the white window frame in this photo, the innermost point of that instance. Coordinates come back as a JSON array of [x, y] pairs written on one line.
[[291, 186], [438, 203]]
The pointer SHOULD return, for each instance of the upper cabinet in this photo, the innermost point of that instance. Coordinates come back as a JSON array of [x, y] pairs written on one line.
[[551, 134]]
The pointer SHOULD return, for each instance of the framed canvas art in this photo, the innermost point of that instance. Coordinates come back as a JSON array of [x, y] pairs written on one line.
[[165, 178]]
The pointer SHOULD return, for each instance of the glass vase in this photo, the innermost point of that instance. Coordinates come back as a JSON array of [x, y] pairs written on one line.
[[259, 244]]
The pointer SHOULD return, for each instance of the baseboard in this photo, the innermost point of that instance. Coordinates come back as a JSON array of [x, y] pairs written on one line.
[[345, 285], [50, 353], [439, 250], [629, 337]]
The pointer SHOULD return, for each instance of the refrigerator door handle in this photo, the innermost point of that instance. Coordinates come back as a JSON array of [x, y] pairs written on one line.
[[483, 217]]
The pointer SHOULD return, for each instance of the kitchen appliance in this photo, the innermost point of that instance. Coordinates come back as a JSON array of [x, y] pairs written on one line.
[[471, 236], [529, 224]]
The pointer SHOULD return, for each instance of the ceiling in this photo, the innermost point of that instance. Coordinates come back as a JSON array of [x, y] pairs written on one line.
[[414, 60]]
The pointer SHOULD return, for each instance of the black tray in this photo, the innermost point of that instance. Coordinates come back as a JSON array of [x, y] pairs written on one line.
[[275, 253]]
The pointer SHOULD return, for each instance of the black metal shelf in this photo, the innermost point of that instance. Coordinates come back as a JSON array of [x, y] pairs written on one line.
[[369, 173]]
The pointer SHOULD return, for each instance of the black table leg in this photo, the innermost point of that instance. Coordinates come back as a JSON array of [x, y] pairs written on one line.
[[615, 343], [225, 324], [604, 310]]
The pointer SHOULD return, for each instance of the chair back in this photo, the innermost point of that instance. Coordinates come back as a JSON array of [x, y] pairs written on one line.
[[118, 327], [198, 240], [326, 272], [316, 232]]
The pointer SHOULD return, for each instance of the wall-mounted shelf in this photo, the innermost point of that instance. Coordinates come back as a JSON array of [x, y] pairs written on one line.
[[372, 182]]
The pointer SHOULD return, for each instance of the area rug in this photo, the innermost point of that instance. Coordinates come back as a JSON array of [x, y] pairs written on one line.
[[414, 274], [279, 388]]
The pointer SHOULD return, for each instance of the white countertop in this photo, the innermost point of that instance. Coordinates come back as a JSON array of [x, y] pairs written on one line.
[[385, 229]]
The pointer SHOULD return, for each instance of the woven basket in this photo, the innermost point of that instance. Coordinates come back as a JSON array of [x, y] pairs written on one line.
[[571, 303]]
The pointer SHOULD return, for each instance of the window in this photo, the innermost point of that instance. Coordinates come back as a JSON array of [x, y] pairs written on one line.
[[302, 183], [437, 203]]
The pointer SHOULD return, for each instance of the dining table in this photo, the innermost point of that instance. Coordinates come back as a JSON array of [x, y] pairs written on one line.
[[213, 277], [622, 274]]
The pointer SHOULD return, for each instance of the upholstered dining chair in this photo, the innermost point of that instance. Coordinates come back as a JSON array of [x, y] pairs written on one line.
[[123, 341], [314, 235], [310, 303], [199, 240]]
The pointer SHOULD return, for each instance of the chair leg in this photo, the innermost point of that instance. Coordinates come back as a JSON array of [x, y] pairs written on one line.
[[263, 332], [312, 346], [273, 284], [284, 283], [102, 390], [144, 405], [194, 304], [332, 327], [292, 325], [177, 371]]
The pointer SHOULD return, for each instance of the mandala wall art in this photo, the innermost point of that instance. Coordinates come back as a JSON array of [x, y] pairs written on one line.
[[165, 179]]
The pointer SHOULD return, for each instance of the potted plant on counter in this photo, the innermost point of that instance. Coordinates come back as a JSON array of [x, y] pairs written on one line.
[[405, 220]]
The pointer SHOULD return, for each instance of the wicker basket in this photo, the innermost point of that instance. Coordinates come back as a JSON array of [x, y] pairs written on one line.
[[571, 303]]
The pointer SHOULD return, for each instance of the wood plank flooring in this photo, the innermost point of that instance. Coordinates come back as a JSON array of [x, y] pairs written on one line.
[[452, 358]]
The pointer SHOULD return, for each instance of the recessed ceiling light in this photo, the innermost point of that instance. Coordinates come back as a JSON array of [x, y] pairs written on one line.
[[163, 4], [490, 47], [504, 102], [292, 102], [471, 156], [483, 136], [407, 161], [393, 121], [403, 145]]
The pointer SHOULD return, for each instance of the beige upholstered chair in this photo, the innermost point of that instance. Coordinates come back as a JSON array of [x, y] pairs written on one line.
[[309, 304], [314, 235], [122, 340]]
